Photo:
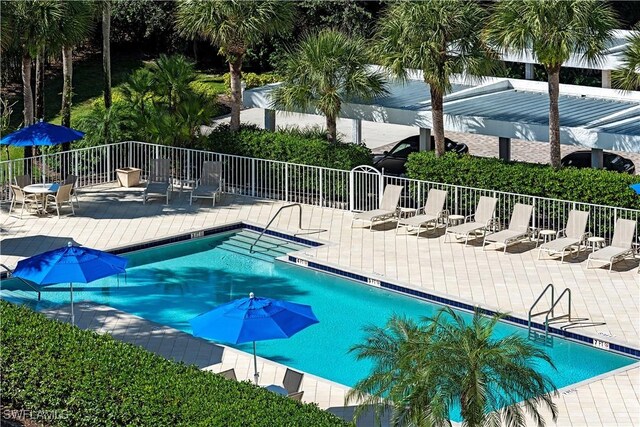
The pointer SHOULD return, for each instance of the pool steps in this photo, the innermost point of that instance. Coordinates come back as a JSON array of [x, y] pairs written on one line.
[[266, 249]]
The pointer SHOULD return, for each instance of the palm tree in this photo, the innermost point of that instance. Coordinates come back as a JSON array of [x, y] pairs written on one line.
[[171, 76], [628, 77], [30, 22], [234, 26], [106, 51], [76, 22], [554, 30], [324, 71], [438, 37], [424, 371]]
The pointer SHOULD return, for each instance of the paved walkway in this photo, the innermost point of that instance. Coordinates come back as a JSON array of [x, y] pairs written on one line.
[[109, 217]]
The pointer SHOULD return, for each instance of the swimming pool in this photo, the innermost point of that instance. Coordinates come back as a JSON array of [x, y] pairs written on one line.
[[174, 283]]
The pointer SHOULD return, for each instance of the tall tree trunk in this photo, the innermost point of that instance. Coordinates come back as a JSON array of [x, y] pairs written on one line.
[[437, 117], [106, 51], [554, 116], [235, 70], [67, 88], [28, 105], [39, 109], [332, 129]]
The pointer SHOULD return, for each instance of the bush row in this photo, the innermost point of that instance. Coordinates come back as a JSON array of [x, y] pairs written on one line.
[[307, 148], [581, 185], [94, 380]]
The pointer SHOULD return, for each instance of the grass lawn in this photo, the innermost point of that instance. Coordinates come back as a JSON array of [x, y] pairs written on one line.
[[87, 88]]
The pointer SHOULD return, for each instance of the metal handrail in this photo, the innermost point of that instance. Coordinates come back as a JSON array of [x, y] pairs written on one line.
[[274, 217], [21, 279], [550, 311]]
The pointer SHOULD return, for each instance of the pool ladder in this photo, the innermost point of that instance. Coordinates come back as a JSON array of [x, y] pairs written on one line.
[[10, 274], [545, 338], [274, 217]]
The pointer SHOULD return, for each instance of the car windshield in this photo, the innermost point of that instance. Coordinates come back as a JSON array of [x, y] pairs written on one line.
[[401, 150]]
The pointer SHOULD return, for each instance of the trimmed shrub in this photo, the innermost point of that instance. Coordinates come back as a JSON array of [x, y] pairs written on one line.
[[288, 146], [581, 185], [253, 80], [94, 380]]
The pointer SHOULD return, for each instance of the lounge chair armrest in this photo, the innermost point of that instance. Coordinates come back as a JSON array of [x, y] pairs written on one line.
[[561, 233], [469, 217], [493, 224], [444, 214]]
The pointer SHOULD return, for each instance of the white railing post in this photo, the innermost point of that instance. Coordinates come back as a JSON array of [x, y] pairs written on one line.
[[253, 177], [455, 200], [108, 174], [351, 190], [286, 182], [320, 186]]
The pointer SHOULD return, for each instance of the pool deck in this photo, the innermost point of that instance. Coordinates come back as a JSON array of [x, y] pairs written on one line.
[[109, 217]]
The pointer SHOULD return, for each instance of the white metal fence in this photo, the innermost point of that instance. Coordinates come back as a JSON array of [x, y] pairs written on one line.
[[355, 190]]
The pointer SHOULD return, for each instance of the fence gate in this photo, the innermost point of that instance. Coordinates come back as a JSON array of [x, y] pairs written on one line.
[[366, 184]]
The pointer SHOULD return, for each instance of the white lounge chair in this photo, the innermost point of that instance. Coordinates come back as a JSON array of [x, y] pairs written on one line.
[[518, 228], [432, 212], [480, 221], [159, 180], [388, 207], [209, 186], [571, 236], [620, 247]]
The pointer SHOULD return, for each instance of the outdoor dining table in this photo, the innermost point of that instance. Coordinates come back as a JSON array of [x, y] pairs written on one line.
[[41, 191], [277, 389]]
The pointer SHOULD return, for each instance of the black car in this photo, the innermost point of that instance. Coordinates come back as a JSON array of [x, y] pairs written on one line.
[[612, 162], [393, 161]]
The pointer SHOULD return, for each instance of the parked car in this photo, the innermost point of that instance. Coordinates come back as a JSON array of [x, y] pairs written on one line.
[[612, 162], [393, 161]]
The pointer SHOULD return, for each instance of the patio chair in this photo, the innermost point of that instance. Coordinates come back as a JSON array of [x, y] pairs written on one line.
[[209, 186], [22, 180], [292, 381], [573, 235], [478, 222], [61, 198], [25, 200], [229, 374], [432, 212], [297, 396], [159, 180], [388, 207], [620, 248], [73, 180], [518, 228]]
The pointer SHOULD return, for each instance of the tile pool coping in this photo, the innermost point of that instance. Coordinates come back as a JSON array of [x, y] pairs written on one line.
[[303, 260]]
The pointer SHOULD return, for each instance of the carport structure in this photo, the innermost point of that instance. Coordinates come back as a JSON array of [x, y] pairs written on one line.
[[595, 118]]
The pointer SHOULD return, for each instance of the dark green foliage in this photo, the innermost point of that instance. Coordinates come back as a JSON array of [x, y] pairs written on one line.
[[288, 146], [582, 185], [95, 381]]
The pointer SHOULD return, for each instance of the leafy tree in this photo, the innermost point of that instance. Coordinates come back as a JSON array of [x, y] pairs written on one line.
[[438, 37], [324, 71], [554, 30], [234, 26], [424, 370], [628, 76]]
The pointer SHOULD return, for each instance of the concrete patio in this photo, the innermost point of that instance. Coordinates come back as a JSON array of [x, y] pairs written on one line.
[[110, 216]]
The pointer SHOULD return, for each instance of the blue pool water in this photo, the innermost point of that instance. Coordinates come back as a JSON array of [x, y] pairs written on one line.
[[175, 283]]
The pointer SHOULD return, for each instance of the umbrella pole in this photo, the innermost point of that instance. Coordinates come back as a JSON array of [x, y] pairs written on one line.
[[255, 364], [73, 319]]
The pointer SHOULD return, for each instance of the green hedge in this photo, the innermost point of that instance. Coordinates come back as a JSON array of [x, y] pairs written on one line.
[[581, 185], [287, 146], [94, 380]]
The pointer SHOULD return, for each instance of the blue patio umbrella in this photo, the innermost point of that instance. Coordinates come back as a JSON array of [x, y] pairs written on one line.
[[68, 265], [635, 187], [41, 133], [253, 319]]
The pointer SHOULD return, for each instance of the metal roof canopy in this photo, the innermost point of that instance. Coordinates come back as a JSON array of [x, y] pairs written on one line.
[[611, 60], [510, 108]]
